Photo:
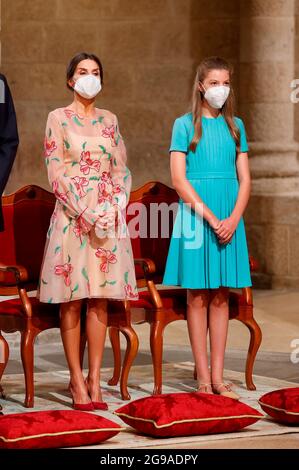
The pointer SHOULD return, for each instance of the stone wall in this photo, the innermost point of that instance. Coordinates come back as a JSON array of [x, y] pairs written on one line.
[[268, 57], [150, 50]]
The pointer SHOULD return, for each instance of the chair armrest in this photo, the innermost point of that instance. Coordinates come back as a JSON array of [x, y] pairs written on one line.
[[146, 264], [253, 263], [21, 276], [19, 272], [149, 267]]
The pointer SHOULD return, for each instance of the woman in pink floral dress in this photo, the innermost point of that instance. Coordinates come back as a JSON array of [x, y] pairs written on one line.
[[88, 253]]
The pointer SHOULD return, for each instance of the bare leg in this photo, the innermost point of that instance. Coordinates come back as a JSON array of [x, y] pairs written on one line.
[[96, 327], [197, 305], [70, 313], [218, 326]]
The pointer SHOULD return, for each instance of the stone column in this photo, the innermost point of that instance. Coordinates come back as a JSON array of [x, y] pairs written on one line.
[[267, 68]]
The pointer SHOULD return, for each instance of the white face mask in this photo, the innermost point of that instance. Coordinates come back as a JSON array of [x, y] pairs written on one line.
[[88, 86], [216, 96]]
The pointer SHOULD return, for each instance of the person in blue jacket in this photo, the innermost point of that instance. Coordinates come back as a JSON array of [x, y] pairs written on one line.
[[9, 139]]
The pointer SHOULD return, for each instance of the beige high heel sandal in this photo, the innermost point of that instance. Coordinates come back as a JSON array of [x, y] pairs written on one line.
[[225, 390], [205, 388]]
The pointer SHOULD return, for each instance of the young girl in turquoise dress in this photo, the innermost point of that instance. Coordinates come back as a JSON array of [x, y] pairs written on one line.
[[210, 172]]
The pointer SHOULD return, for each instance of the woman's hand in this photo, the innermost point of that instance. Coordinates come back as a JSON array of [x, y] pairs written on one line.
[[226, 230]]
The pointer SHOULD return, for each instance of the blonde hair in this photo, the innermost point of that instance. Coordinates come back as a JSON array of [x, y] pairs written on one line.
[[212, 63]]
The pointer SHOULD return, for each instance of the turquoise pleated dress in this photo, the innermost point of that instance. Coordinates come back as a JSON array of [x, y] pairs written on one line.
[[196, 260]]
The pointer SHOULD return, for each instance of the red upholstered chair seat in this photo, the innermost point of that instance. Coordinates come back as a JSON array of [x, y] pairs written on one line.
[[171, 298], [14, 307]]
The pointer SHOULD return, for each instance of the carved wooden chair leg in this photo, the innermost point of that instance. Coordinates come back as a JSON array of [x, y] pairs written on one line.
[[27, 354], [115, 343], [255, 341], [156, 342], [4, 355], [131, 352]]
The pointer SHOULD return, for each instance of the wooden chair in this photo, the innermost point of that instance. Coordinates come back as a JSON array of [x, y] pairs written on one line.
[[160, 306], [27, 215], [4, 354]]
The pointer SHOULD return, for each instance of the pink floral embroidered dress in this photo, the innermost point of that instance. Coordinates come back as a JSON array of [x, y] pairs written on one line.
[[88, 252]]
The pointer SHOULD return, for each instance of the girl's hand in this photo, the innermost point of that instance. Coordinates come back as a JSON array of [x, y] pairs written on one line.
[[214, 223], [226, 230]]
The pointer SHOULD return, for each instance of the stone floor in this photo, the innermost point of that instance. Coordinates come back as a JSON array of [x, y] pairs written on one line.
[[277, 313]]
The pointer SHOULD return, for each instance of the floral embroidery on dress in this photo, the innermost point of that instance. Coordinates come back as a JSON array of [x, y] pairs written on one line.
[[107, 188], [80, 228], [49, 147], [64, 270], [58, 194], [85, 275], [80, 183], [106, 257], [70, 113], [129, 292], [87, 163], [109, 133], [74, 116]]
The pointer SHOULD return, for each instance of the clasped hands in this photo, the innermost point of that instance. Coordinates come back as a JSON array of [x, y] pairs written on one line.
[[107, 222], [224, 229]]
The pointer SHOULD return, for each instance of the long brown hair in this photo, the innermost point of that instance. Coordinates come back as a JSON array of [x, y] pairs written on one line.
[[212, 63]]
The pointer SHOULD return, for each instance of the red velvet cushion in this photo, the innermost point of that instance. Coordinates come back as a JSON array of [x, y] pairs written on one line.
[[282, 405], [14, 307], [186, 414], [171, 298], [58, 428]]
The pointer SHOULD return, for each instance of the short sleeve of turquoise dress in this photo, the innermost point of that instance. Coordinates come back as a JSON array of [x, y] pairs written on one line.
[[196, 260], [243, 138], [179, 138]]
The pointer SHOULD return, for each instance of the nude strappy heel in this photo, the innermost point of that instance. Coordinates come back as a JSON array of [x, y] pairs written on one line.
[[225, 390], [205, 388]]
